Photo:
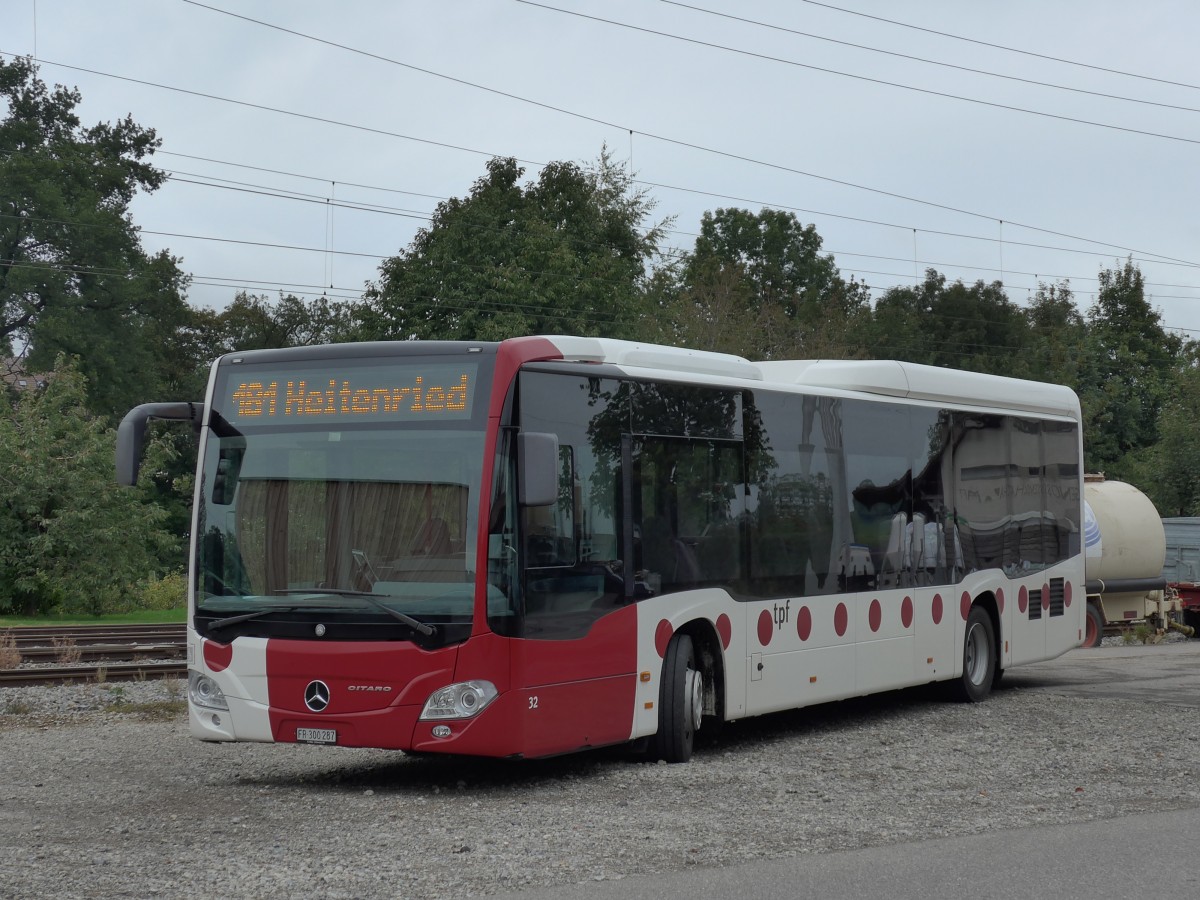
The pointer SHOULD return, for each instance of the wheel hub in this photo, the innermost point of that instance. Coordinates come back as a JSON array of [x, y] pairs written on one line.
[[695, 695]]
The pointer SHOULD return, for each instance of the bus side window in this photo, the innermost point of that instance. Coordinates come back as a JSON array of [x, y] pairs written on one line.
[[690, 496]]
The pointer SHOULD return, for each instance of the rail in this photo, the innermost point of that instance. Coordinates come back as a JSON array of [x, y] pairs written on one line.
[[91, 673], [93, 653]]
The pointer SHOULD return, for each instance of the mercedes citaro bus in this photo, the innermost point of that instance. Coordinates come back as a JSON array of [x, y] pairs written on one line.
[[546, 544]]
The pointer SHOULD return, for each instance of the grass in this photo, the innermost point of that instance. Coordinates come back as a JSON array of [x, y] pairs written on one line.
[[141, 617], [10, 656], [18, 708], [152, 711]]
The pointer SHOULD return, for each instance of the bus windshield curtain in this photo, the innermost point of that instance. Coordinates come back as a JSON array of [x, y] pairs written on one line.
[[301, 533]]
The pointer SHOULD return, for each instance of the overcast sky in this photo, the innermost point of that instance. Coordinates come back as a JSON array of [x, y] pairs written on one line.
[[723, 112]]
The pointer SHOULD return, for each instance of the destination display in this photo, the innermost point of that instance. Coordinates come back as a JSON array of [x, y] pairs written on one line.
[[409, 391]]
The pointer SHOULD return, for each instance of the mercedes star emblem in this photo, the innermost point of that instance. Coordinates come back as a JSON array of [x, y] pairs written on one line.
[[316, 695]]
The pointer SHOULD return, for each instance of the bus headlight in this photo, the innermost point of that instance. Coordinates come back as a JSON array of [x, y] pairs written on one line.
[[203, 691], [459, 701]]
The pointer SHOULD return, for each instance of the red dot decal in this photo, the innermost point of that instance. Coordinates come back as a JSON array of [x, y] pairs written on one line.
[[804, 623], [217, 656], [841, 619], [1023, 599], [964, 605], [875, 615], [937, 609], [1067, 593], [766, 626], [724, 630], [1045, 596], [1000, 599], [906, 612], [662, 637]]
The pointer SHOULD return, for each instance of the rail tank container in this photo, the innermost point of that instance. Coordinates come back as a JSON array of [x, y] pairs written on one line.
[[1124, 550]]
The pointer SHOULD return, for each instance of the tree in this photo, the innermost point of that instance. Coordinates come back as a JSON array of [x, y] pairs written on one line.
[[254, 322], [69, 535], [759, 280], [73, 275], [954, 325], [563, 254], [1057, 336], [714, 312], [1169, 470], [1131, 364]]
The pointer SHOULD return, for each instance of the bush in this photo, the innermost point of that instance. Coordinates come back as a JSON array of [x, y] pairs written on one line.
[[168, 592], [70, 536]]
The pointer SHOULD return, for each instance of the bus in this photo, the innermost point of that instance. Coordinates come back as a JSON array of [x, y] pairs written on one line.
[[547, 544]]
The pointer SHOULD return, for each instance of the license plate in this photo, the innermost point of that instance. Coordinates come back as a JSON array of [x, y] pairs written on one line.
[[316, 735]]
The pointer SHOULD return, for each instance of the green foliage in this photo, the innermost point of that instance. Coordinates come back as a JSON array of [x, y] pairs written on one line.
[[973, 327], [563, 254], [757, 285], [1169, 470], [254, 322], [79, 281], [1130, 365], [70, 538], [1057, 336], [168, 592]]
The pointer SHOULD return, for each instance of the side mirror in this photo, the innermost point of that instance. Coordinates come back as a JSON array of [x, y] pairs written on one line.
[[131, 434], [537, 468]]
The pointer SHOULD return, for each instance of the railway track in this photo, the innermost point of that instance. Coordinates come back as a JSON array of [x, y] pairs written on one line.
[[44, 635], [91, 673], [94, 653]]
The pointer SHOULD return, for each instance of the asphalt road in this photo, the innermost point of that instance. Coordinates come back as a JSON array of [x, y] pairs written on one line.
[[1153, 855], [1164, 673], [1138, 856]]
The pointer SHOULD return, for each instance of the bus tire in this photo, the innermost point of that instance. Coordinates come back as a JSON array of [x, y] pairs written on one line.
[[680, 702], [979, 658], [1093, 631]]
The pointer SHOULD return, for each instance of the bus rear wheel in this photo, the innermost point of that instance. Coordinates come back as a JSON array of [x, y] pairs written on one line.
[[979, 658], [1094, 630], [680, 702]]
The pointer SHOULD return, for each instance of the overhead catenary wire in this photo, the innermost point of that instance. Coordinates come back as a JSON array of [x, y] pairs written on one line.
[[289, 194], [547, 310], [631, 131], [668, 252], [374, 208], [867, 78], [1144, 255], [984, 238], [932, 62], [532, 162], [1007, 49]]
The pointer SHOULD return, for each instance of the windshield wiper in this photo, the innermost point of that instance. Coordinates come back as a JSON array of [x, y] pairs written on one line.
[[416, 625], [245, 617]]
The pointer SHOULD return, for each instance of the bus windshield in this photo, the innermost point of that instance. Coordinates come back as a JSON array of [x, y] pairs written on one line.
[[365, 513]]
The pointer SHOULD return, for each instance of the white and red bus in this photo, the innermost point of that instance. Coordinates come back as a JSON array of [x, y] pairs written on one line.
[[538, 546]]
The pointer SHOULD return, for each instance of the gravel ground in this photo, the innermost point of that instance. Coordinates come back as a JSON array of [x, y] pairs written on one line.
[[104, 794]]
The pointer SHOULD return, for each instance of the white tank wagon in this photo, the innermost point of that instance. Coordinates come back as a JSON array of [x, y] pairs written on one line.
[[1124, 551]]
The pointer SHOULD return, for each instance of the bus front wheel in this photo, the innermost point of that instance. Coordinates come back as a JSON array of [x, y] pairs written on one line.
[[979, 658], [680, 702]]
